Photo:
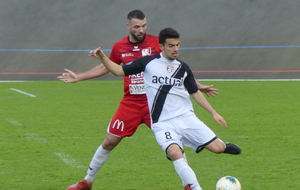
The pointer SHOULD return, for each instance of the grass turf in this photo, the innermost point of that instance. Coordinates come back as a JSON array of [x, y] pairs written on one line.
[[47, 141]]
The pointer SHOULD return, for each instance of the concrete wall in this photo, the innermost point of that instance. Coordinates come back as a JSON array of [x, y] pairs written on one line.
[[38, 25]]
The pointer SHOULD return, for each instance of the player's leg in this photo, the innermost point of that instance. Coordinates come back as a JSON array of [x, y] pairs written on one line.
[[121, 125], [101, 155], [111, 141], [147, 121], [184, 171], [198, 136], [185, 159], [170, 143], [218, 146]]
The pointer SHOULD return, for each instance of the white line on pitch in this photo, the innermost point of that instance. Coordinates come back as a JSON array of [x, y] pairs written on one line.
[[22, 92], [72, 137], [66, 158], [12, 121], [12, 81], [35, 137]]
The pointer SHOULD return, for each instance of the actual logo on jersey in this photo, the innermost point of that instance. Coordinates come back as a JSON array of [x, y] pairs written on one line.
[[146, 52], [165, 80], [170, 69], [118, 125]]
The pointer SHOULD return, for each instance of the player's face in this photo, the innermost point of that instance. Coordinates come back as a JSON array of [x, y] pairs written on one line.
[[137, 29], [170, 49]]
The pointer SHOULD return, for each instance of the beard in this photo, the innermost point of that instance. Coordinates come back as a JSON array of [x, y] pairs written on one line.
[[137, 37]]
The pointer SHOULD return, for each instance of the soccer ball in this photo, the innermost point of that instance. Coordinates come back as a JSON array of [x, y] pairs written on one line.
[[228, 183]]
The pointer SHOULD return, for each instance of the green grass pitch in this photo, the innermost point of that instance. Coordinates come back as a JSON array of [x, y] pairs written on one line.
[[47, 141]]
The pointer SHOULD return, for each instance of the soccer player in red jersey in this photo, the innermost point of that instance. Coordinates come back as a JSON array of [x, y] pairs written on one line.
[[137, 44], [169, 85]]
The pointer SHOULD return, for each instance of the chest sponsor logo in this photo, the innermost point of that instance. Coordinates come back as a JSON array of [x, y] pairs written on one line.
[[146, 52], [126, 54], [138, 75], [137, 89], [137, 81], [137, 78], [165, 80]]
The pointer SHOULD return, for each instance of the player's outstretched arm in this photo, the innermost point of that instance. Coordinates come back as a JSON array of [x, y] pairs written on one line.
[[201, 100], [68, 77], [71, 77], [114, 68], [207, 89]]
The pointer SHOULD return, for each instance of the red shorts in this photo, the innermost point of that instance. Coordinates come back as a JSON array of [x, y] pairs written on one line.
[[129, 115]]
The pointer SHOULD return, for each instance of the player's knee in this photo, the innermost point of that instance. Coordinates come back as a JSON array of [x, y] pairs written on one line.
[[219, 149], [217, 146], [174, 152], [110, 142]]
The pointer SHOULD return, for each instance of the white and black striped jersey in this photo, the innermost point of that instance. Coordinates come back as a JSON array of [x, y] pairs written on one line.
[[168, 85]]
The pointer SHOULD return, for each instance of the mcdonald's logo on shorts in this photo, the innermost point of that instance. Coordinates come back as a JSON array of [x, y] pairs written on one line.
[[118, 125]]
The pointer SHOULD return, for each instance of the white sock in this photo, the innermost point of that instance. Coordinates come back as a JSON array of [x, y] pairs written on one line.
[[186, 173], [97, 162], [185, 159]]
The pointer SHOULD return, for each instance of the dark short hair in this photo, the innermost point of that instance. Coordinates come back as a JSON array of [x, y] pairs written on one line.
[[167, 33], [136, 14]]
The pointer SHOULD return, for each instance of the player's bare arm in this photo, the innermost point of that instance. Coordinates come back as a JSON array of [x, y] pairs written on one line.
[[114, 68], [207, 89], [68, 77], [201, 100], [71, 77]]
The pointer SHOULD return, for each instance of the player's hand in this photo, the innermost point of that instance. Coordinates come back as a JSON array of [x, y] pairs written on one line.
[[68, 77], [97, 53], [208, 90], [220, 120]]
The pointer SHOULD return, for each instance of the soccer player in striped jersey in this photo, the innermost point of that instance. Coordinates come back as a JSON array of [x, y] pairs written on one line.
[[169, 84], [133, 109]]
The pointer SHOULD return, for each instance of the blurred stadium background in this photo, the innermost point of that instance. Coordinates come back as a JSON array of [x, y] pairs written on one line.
[[233, 39]]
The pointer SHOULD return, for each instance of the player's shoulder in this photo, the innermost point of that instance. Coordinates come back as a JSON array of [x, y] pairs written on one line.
[[184, 64], [121, 41], [151, 57], [151, 35], [148, 58]]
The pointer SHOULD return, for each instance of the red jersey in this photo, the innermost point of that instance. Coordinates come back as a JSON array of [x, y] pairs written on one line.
[[125, 52]]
